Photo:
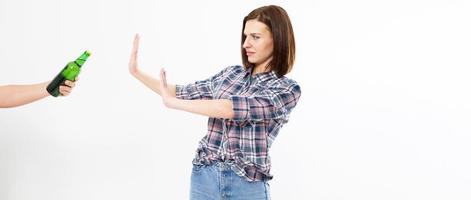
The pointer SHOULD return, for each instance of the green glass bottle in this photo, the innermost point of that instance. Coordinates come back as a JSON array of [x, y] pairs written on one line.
[[70, 72]]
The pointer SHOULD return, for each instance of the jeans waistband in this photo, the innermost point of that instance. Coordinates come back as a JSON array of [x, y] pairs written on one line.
[[223, 165]]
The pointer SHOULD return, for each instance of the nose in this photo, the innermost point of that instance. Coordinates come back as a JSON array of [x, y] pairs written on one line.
[[246, 43]]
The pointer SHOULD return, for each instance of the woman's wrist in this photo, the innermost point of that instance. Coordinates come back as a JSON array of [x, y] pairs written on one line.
[[134, 72], [171, 102]]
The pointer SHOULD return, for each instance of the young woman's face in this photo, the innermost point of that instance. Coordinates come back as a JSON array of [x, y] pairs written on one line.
[[258, 43]]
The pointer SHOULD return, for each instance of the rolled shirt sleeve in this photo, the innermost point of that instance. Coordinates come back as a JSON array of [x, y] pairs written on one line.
[[270, 103], [196, 90], [202, 90]]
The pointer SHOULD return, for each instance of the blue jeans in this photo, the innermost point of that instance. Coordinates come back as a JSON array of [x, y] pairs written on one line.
[[218, 181]]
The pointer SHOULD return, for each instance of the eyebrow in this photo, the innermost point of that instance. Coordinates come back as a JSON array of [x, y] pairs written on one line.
[[252, 34]]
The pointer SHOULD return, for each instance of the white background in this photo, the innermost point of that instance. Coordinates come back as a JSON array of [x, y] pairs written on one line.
[[385, 111]]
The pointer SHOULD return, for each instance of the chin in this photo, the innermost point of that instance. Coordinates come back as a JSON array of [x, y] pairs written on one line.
[[253, 61]]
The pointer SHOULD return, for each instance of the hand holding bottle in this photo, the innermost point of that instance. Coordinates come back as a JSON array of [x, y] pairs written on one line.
[[68, 73], [65, 89], [17, 95]]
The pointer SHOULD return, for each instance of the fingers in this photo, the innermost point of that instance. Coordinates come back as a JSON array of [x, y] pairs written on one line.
[[164, 91], [136, 42], [135, 46], [65, 90], [163, 77], [70, 83], [133, 57]]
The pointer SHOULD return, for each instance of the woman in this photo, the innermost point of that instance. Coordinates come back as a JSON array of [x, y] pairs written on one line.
[[246, 105], [17, 95]]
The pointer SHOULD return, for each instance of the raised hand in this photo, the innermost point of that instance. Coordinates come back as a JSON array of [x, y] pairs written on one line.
[[167, 91], [164, 89], [133, 59]]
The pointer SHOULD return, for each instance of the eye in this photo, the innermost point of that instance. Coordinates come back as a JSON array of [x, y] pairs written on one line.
[[255, 37]]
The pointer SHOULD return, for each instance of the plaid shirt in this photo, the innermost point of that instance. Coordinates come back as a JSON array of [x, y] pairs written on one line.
[[261, 105]]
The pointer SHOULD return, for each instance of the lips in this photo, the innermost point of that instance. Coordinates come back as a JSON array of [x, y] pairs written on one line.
[[249, 53]]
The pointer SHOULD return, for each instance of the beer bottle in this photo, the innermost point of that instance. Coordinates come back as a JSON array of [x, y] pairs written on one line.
[[70, 72]]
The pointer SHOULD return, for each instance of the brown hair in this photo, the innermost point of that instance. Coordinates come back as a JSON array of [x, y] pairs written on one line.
[[284, 48]]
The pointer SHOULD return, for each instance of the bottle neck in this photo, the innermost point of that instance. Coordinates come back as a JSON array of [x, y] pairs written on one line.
[[81, 60]]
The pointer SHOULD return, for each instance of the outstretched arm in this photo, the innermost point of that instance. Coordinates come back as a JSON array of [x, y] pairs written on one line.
[[17, 95], [221, 108], [218, 108], [144, 78]]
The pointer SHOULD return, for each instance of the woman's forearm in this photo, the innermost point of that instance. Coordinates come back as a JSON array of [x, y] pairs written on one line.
[[152, 83], [16, 95], [218, 108]]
